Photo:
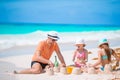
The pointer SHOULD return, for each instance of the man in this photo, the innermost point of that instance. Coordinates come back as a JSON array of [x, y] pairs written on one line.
[[43, 53]]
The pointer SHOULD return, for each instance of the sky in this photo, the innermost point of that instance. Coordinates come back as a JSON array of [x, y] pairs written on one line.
[[104, 12]]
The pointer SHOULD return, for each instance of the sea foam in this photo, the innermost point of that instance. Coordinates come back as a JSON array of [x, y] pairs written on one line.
[[11, 40]]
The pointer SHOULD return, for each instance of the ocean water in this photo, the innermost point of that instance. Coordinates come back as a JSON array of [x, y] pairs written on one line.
[[30, 34]]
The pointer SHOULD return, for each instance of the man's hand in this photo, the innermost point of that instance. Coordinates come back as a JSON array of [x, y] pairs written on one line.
[[62, 65], [50, 64]]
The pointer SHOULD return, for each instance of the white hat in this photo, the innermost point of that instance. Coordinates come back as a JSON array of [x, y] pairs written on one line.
[[102, 41], [80, 41], [53, 35]]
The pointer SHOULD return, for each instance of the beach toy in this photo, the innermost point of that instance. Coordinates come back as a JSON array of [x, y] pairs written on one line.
[[76, 70], [69, 69], [50, 71], [63, 70]]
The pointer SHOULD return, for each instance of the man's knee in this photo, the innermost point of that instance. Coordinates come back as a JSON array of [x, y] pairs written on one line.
[[36, 71], [36, 68]]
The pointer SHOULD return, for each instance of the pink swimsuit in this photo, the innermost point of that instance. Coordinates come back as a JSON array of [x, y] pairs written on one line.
[[80, 56]]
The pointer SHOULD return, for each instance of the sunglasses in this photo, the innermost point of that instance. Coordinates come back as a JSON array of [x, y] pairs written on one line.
[[54, 40]]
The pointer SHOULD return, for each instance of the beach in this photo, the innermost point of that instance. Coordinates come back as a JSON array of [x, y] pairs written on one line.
[[24, 23], [19, 57], [18, 44]]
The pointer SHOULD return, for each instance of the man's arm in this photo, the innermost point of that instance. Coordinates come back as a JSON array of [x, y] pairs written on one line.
[[60, 57]]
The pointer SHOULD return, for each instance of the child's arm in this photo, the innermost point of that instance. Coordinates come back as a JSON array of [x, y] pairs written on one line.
[[74, 56], [86, 55], [99, 59]]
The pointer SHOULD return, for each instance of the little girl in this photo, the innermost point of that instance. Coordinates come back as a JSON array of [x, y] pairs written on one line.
[[104, 54], [80, 56]]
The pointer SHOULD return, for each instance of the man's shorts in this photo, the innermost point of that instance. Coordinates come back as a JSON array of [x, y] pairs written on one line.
[[42, 64]]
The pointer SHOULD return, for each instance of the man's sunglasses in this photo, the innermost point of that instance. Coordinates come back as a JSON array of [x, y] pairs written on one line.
[[54, 40]]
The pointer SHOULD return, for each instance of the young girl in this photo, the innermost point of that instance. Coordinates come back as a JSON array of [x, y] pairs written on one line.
[[80, 56], [104, 54]]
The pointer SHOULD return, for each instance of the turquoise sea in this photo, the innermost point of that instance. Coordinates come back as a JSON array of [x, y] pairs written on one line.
[[29, 28], [30, 34]]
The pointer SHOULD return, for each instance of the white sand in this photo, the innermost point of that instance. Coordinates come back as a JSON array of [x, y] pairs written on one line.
[[19, 58]]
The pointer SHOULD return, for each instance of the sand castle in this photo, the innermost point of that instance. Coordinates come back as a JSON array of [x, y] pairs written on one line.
[[49, 71]]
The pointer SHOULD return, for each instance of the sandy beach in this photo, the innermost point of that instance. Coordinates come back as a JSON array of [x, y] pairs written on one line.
[[24, 23], [19, 57]]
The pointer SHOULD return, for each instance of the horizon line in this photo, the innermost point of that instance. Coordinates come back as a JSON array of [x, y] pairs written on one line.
[[22, 23]]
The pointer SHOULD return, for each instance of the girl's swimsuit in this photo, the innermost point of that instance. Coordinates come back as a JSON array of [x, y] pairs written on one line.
[[104, 57], [79, 56]]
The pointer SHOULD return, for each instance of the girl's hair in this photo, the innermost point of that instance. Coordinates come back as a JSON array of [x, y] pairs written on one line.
[[107, 51]]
